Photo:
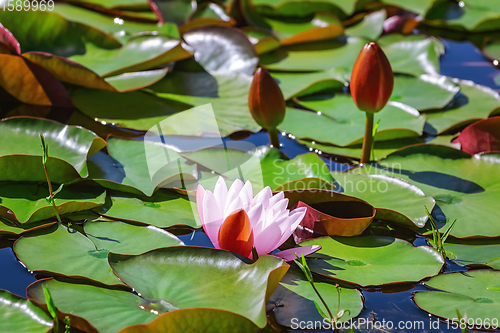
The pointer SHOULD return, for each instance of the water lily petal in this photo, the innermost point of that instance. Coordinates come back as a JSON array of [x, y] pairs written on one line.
[[212, 218], [220, 193], [232, 194], [292, 223], [263, 197], [200, 193], [267, 241], [276, 198]]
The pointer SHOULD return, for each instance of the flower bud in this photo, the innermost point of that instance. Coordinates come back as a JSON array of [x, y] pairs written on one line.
[[372, 79], [236, 234], [266, 101]]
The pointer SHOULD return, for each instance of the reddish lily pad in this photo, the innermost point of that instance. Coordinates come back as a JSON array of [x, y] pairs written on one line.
[[483, 136], [8, 41], [30, 83]]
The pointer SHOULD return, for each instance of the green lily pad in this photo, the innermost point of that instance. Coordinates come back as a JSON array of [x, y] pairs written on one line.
[[65, 37], [117, 4], [122, 29], [80, 256], [17, 314], [395, 200], [183, 282], [294, 300], [139, 53], [27, 202], [221, 49], [104, 310], [198, 320], [299, 8], [470, 293], [338, 121], [424, 92], [163, 209], [69, 147], [482, 251], [371, 27], [474, 102], [464, 188], [136, 80], [418, 6], [381, 148], [138, 166], [298, 84], [491, 49], [373, 260], [414, 55], [121, 108], [274, 169]]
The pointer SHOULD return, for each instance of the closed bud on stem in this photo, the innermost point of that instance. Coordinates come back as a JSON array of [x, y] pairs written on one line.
[[372, 79], [266, 103]]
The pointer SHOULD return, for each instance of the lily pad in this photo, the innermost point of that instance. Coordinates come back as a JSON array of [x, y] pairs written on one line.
[[197, 319], [464, 188], [184, 283], [86, 257], [482, 136], [414, 55], [221, 49], [65, 38], [472, 293], [17, 314], [69, 148], [122, 29], [163, 209], [30, 83], [27, 202], [371, 27], [139, 53], [373, 260], [474, 102], [474, 252], [395, 200], [69, 71], [294, 300], [104, 310], [138, 166], [338, 121], [136, 80]]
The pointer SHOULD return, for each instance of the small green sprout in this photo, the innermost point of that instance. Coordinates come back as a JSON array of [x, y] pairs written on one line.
[[437, 239]]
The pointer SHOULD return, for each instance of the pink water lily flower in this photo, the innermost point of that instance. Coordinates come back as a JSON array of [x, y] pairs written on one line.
[[237, 221]]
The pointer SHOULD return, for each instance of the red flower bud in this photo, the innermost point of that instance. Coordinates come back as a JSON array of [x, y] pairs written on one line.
[[372, 79], [266, 101], [236, 234]]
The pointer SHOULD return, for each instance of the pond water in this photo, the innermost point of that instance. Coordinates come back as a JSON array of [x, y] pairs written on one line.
[[461, 60]]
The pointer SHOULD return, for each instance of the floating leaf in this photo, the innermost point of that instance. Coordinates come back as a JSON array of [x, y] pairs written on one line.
[[65, 37], [139, 166], [8, 43], [472, 103], [294, 300], [464, 188], [163, 209], [27, 202], [30, 83], [373, 260], [69, 146], [20, 315], [338, 121], [469, 292], [220, 49], [79, 256], [187, 283], [483, 136], [68, 71], [139, 53], [103, 310]]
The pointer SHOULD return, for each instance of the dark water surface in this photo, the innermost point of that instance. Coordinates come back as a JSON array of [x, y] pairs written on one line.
[[461, 60]]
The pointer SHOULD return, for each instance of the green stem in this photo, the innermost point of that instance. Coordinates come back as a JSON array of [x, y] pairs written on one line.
[[51, 193], [273, 137], [367, 141], [322, 301]]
